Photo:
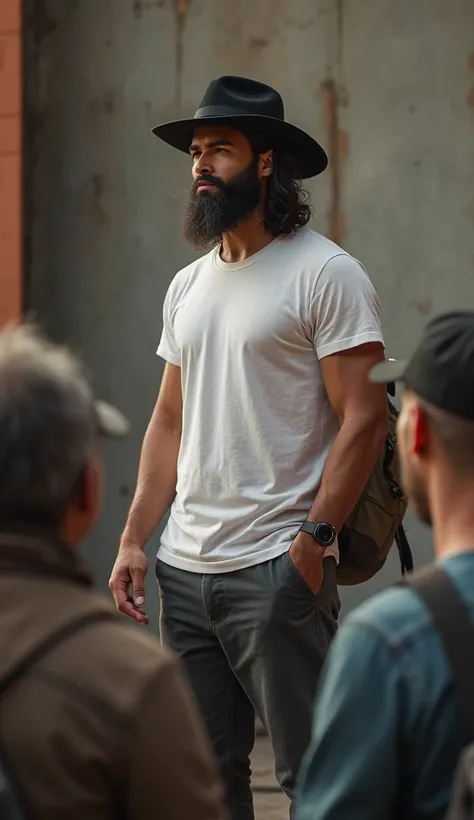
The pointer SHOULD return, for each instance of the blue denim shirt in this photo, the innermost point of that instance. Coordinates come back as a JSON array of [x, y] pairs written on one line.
[[388, 727]]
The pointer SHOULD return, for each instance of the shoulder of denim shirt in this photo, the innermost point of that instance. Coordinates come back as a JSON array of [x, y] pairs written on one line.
[[399, 616]]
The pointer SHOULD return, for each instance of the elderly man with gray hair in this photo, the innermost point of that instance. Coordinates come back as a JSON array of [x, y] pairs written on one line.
[[96, 720]]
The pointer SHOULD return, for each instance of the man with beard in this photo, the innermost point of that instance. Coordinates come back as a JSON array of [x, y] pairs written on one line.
[[263, 436], [388, 727]]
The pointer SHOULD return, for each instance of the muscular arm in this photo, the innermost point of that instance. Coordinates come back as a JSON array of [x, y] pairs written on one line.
[[156, 484], [156, 487], [362, 411], [361, 408]]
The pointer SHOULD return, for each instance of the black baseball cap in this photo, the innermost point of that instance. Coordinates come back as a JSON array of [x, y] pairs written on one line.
[[441, 370]]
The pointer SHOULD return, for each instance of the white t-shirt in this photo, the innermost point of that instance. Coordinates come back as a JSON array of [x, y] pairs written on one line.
[[257, 422]]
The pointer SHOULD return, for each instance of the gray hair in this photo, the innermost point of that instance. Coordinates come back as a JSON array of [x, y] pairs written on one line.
[[47, 429]]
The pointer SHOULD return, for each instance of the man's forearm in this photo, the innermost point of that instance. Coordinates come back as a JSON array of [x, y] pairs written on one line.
[[156, 484], [347, 469]]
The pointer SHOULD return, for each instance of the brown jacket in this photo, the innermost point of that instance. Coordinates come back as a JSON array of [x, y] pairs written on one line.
[[104, 725]]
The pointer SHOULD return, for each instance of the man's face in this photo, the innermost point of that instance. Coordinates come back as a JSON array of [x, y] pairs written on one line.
[[411, 430], [227, 187]]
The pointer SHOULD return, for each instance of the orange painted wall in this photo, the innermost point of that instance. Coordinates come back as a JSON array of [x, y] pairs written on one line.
[[10, 160]]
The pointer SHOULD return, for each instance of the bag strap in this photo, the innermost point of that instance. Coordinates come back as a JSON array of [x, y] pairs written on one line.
[[404, 551], [452, 621], [50, 642]]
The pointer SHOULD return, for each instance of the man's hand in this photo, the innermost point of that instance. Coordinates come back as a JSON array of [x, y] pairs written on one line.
[[130, 568], [307, 556]]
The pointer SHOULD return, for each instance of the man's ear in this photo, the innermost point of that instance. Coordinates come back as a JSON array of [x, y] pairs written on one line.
[[420, 430], [86, 491], [84, 505], [266, 163]]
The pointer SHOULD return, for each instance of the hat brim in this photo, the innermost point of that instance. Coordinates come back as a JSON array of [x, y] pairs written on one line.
[[387, 372], [310, 157], [110, 421]]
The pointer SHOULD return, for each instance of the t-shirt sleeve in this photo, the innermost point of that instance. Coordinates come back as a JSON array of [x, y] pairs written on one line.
[[345, 310], [168, 348]]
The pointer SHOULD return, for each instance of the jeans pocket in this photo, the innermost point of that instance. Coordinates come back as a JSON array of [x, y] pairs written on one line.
[[158, 565], [296, 575]]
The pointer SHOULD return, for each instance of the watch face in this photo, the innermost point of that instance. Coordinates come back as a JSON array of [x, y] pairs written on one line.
[[324, 534]]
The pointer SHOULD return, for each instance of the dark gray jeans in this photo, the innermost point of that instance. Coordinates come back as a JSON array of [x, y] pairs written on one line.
[[253, 640]]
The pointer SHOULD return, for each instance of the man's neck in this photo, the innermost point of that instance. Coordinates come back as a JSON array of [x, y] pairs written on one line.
[[246, 239], [453, 520]]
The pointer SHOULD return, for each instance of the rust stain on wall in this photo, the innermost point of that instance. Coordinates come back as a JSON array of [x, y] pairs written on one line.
[[335, 97], [337, 149], [181, 10], [339, 32], [182, 7], [470, 96], [423, 306]]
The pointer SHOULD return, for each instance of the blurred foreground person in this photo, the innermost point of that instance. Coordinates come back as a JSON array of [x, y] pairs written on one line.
[[96, 721], [393, 713]]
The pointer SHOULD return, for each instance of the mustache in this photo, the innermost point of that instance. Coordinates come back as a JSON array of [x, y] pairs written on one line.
[[211, 180]]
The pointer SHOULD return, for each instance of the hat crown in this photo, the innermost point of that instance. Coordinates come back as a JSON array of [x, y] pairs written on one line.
[[243, 95], [255, 109]]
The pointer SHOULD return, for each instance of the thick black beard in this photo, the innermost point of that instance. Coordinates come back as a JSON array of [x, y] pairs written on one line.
[[207, 216]]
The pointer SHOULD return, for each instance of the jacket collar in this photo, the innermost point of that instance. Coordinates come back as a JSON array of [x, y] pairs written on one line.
[[34, 551]]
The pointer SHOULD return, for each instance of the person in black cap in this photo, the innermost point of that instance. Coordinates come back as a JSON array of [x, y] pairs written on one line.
[[263, 435], [388, 728]]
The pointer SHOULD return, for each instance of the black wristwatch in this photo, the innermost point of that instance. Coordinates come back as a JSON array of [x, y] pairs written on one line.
[[324, 534]]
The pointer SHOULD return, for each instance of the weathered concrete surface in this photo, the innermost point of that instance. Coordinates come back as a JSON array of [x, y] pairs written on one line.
[[387, 88]]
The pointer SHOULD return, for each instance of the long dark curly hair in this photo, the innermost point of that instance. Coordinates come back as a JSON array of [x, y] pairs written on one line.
[[287, 206]]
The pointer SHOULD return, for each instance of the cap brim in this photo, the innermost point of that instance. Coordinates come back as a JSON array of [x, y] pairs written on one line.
[[110, 421], [387, 372]]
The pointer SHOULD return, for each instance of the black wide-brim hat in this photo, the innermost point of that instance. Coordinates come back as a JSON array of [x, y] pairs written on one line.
[[256, 110]]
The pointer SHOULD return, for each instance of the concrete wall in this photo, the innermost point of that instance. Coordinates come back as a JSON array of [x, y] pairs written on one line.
[[10, 159], [387, 87]]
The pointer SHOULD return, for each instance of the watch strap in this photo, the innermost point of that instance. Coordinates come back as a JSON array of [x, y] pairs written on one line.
[[316, 529], [309, 527]]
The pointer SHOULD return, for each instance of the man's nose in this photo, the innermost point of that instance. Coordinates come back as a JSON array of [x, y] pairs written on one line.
[[203, 165]]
